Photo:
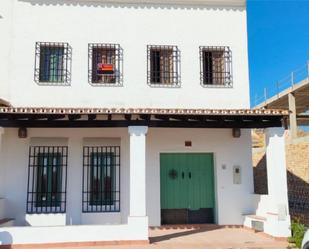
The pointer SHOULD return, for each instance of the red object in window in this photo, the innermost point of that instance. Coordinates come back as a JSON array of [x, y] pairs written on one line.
[[105, 68]]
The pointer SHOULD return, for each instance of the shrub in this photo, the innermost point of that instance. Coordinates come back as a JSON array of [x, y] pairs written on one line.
[[298, 231]]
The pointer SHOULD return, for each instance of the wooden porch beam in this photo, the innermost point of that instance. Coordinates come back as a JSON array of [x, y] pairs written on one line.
[[128, 117], [151, 123], [74, 116], [92, 117]]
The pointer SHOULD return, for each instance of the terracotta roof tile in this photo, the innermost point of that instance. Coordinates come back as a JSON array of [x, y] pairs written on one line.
[[158, 111]]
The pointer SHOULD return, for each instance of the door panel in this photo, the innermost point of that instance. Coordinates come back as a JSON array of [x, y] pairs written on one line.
[[187, 187]]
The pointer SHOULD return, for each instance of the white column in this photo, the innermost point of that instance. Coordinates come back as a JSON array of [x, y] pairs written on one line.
[[138, 170], [1, 164], [137, 216], [1, 133], [74, 181], [278, 218]]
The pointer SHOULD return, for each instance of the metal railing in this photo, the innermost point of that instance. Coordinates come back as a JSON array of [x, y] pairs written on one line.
[[286, 82]]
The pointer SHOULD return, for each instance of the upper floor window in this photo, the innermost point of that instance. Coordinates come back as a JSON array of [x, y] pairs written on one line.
[[163, 65], [52, 62], [216, 66], [105, 64], [47, 179]]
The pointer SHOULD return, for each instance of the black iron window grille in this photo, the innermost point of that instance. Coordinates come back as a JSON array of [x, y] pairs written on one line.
[[52, 63], [47, 179], [105, 64], [216, 66], [101, 179], [163, 65]]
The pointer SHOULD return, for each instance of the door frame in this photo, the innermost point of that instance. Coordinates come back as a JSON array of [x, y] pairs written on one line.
[[215, 169]]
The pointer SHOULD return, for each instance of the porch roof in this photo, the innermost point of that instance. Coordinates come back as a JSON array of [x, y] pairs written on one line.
[[4, 102], [152, 117]]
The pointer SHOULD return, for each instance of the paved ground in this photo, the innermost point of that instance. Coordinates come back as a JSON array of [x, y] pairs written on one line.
[[202, 238], [212, 237]]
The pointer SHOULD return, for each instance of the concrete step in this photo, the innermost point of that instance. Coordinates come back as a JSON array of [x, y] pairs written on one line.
[[255, 222], [7, 222], [256, 217]]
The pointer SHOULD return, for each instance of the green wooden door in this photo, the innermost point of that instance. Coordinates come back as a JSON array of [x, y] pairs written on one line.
[[187, 184]]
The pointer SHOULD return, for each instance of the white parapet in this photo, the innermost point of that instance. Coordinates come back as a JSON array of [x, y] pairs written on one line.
[[278, 218], [133, 231], [46, 219], [272, 210]]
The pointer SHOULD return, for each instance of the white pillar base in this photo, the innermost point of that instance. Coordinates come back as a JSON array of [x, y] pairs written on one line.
[[277, 228], [138, 225], [138, 221]]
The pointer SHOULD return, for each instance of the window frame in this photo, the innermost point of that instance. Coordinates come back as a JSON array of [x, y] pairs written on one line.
[[103, 204], [105, 197], [39, 182], [63, 75], [226, 76], [118, 64], [175, 62], [36, 168]]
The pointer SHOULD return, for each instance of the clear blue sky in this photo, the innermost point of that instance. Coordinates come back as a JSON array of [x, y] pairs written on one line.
[[278, 37]]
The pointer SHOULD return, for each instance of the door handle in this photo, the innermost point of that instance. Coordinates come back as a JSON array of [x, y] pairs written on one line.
[[190, 175], [183, 175]]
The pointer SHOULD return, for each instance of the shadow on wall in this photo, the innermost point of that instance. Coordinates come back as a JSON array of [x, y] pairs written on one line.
[[5, 240], [298, 190], [260, 177]]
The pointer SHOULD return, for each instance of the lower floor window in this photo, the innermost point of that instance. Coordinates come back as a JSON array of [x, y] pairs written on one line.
[[47, 179], [101, 183]]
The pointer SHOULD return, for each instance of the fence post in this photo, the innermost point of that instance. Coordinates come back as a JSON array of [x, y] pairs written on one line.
[[255, 99]]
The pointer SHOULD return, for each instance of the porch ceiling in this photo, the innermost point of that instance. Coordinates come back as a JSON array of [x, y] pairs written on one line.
[[152, 117]]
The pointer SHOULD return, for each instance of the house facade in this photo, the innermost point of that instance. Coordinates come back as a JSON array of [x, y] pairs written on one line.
[[120, 115]]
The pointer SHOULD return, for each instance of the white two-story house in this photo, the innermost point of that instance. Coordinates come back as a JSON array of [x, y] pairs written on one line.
[[117, 115]]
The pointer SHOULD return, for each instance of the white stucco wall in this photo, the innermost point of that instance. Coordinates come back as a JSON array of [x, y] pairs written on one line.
[[133, 26], [6, 27], [232, 201], [16, 167]]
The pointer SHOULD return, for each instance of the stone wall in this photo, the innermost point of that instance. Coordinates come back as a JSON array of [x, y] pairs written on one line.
[[297, 156]]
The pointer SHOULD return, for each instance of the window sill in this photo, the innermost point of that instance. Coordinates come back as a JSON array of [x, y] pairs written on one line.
[[47, 83], [216, 86], [95, 212], [102, 84], [164, 85]]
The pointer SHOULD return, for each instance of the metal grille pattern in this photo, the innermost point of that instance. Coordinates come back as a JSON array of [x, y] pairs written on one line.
[[52, 63], [110, 55], [216, 66], [163, 65], [101, 179], [47, 179]]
